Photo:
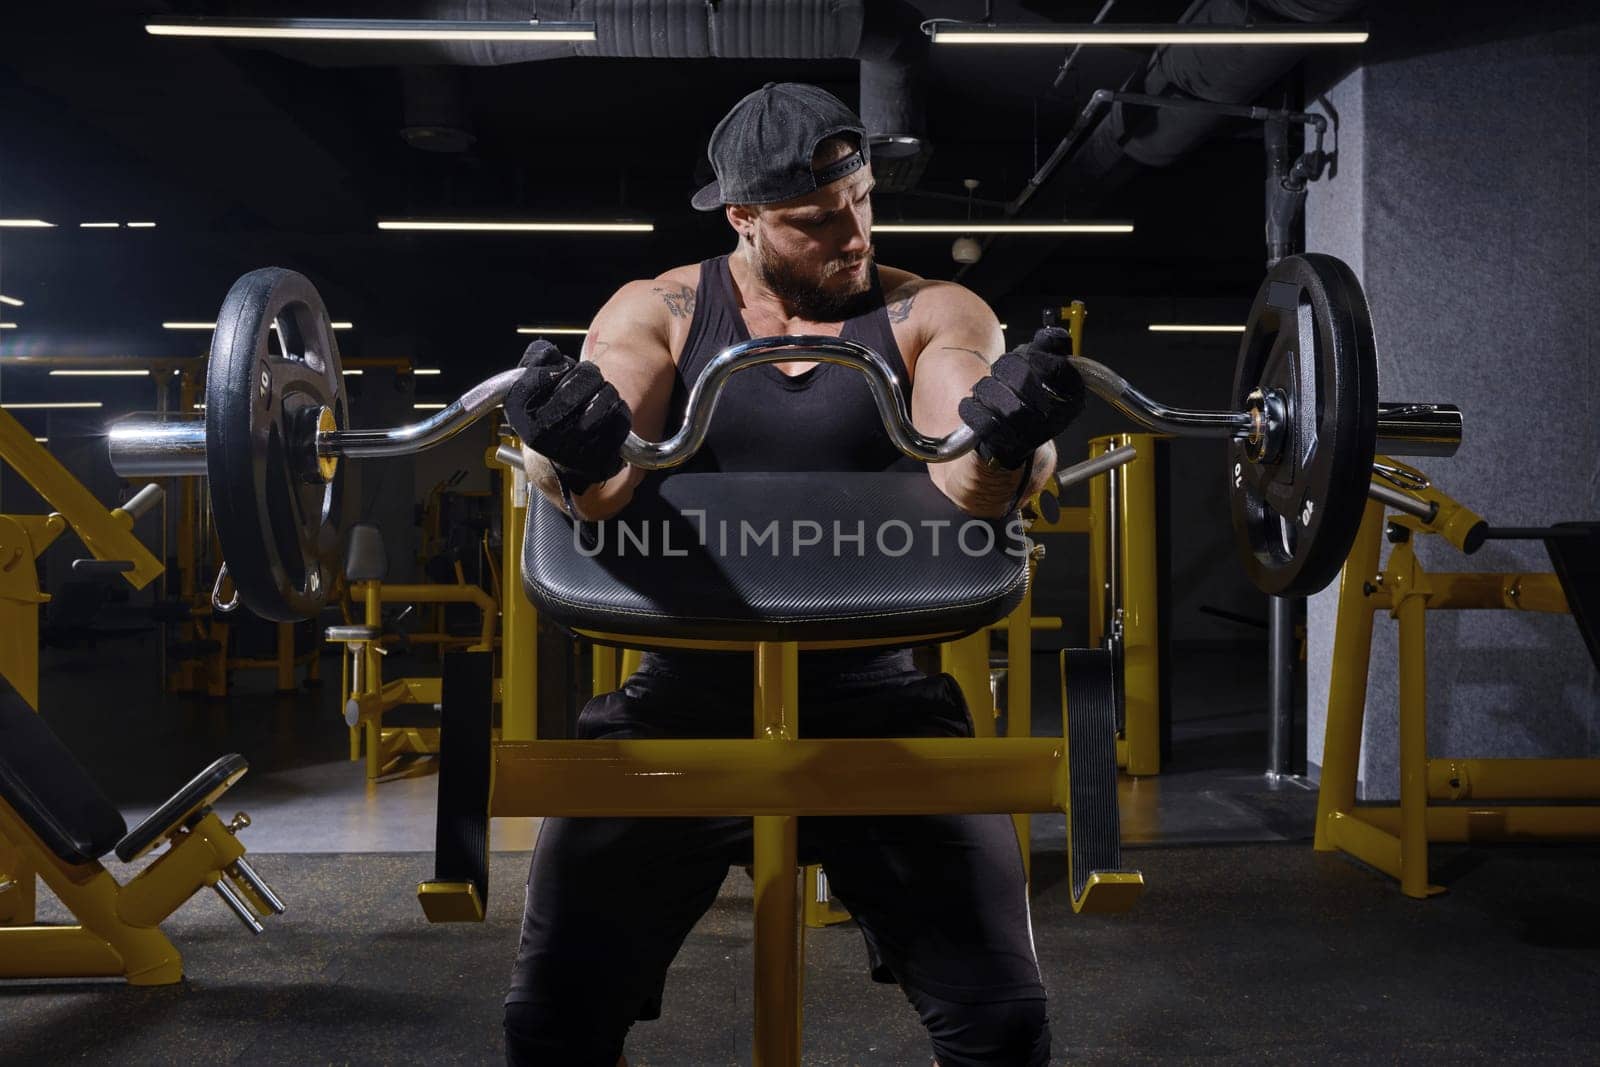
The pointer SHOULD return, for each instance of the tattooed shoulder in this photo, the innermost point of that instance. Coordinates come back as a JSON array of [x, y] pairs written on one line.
[[679, 299], [900, 301]]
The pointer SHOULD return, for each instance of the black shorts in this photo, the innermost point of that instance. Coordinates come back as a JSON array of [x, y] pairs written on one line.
[[941, 899]]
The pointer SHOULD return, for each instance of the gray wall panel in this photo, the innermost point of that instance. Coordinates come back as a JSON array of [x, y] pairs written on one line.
[[1475, 228]]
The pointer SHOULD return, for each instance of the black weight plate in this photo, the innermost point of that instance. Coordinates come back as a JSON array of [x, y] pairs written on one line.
[[277, 521], [1295, 515]]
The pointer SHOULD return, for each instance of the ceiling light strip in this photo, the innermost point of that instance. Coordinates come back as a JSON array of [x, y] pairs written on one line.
[[13, 301], [1003, 227], [1149, 35], [310, 29], [26, 224], [489, 226], [575, 330], [99, 374], [52, 405], [1182, 327]]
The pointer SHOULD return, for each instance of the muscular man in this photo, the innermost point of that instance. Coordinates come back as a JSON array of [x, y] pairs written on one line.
[[940, 899]]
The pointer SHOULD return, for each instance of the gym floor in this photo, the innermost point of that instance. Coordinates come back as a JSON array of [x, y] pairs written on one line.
[[1246, 945]]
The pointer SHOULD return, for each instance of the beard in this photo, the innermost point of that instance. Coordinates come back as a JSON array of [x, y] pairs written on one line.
[[806, 294]]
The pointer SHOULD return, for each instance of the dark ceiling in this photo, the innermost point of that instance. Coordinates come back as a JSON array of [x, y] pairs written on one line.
[[246, 158]]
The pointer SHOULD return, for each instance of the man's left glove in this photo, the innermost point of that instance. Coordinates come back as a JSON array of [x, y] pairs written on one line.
[[565, 411], [1029, 396]]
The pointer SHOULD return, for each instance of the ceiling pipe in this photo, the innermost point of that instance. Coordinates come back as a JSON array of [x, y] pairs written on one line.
[[1093, 160], [882, 34]]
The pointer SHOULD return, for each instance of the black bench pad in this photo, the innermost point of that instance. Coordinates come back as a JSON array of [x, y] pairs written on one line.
[[724, 557], [196, 796], [49, 789]]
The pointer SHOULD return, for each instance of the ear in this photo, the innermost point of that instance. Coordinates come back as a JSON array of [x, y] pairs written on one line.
[[742, 217]]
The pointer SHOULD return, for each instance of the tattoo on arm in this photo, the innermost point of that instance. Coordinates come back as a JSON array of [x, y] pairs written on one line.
[[900, 310], [679, 301], [597, 348]]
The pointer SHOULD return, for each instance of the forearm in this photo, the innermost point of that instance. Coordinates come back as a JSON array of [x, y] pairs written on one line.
[[600, 501], [978, 489]]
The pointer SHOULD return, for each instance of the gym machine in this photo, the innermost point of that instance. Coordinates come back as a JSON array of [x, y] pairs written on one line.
[[1300, 443]]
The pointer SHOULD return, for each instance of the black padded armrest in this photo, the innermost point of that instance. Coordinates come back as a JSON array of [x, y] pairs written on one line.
[[201, 792], [49, 789], [776, 557]]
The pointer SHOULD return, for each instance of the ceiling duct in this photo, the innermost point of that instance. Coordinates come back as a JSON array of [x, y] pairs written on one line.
[[1130, 139], [882, 34]]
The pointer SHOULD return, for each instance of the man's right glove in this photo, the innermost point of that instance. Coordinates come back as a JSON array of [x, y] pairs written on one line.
[[565, 411], [1028, 397]]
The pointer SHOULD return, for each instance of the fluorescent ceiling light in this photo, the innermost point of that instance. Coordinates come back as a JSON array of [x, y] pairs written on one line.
[[429, 407], [1044, 33], [99, 225], [13, 301], [356, 373], [141, 225], [99, 374], [8, 326], [467, 225], [371, 29], [42, 440], [1181, 327], [426, 370], [27, 224], [1003, 227], [51, 405], [580, 330]]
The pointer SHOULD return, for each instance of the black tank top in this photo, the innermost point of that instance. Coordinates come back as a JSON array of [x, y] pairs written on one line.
[[823, 419]]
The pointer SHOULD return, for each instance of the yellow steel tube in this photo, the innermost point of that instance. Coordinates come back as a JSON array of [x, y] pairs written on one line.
[[20, 598], [630, 663], [810, 776], [1373, 845], [1097, 513], [1347, 681], [106, 532], [196, 859], [1413, 613], [1513, 592], [1513, 822], [56, 952], [519, 645], [432, 593], [603, 669], [779, 950], [1019, 698], [1141, 651], [1073, 519], [1519, 779], [966, 659]]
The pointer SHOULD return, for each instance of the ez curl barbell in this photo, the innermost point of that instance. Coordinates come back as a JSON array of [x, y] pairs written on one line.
[[1301, 438]]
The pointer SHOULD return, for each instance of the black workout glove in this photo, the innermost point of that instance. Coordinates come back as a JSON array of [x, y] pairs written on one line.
[[1028, 397], [565, 411]]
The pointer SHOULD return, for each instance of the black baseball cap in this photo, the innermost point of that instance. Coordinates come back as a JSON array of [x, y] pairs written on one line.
[[761, 150]]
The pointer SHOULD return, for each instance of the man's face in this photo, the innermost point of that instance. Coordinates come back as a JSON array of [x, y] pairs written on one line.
[[815, 252]]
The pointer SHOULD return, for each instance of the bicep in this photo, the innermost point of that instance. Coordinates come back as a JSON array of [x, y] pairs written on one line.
[[964, 340], [631, 348]]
